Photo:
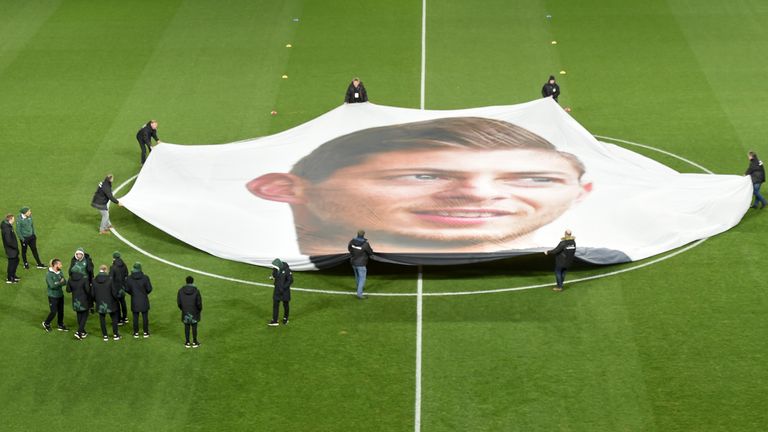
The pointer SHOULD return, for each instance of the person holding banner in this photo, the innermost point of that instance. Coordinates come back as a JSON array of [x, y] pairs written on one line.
[[756, 172], [356, 92], [564, 253]]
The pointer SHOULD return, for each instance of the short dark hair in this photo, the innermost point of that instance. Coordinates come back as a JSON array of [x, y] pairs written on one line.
[[54, 261], [190, 279], [361, 233], [443, 133]]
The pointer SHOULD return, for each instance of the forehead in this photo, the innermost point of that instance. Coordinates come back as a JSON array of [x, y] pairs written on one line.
[[464, 160]]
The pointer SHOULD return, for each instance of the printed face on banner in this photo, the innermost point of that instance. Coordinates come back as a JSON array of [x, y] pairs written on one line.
[[439, 186]]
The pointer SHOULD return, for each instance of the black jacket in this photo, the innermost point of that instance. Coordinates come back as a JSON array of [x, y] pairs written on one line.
[[105, 294], [81, 292], [359, 250], [564, 252], [103, 195], [362, 95], [550, 90], [145, 134], [190, 303], [283, 279], [756, 171], [118, 272], [139, 287], [88, 266], [10, 241]]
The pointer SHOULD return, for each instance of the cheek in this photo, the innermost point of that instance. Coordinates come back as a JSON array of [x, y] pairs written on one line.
[[548, 198]]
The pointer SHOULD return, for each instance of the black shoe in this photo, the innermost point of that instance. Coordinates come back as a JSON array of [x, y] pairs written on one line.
[[285, 320], [16, 279], [146, 335], [78, 336], [135, 335], [9, 281], [273, 323], [26, 266], [62, 328], [187, 345], [195, 344], [41, 266], [116, 337], [105, 338], [47, 327]]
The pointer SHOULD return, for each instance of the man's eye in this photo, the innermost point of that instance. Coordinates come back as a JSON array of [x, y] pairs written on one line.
[[425, 177]]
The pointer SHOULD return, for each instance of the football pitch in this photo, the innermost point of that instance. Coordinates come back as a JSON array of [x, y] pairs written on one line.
[[674, 342]]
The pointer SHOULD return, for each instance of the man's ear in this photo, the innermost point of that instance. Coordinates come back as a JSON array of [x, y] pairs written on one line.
[[281, 187]]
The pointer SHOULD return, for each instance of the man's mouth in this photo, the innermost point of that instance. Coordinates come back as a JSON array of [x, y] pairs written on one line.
[[461, 216]]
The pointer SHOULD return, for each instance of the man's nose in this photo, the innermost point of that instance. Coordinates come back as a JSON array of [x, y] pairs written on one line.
[[475, 188]]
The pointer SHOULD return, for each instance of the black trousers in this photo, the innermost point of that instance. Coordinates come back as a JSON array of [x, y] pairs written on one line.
[[122, 313], [56, 304], [30, 242], [13, 264], [103, 322], [82, 318], [276, 309], [145, 321], [145, 150], [194, 332]]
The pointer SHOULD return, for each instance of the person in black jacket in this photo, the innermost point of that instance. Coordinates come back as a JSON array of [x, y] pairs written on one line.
[[550, 89], [101, 198], [756, 171], [564, 253], [283, 278], [11, 246], [356, 92], [81, 299], [144, 137], [105, 294], [359, 251], [139, 286], [190, 303], [82, 261], [118, 272]]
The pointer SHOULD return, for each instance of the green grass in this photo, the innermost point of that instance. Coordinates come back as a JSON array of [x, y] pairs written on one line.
[[679, 345]]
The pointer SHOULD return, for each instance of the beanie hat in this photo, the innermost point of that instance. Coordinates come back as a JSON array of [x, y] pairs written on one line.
[[137, 267], [115, 254], [80, 251], [24, 210], [552, 77]]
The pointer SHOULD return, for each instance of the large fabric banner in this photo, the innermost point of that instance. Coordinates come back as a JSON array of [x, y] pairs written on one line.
[[429, 187]]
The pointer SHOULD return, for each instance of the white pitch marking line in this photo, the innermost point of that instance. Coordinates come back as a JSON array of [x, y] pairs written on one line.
[[423, 52], [419, 308]]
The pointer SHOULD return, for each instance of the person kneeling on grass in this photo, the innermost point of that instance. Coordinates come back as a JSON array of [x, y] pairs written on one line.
[[139, 287], [283, 278], [190, 303], [105, 295], [81, 299]]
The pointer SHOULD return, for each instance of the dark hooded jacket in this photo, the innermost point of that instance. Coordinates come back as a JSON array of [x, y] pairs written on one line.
[[81, 292], [87, 265], [103, 195], [190, 303], [10, 242], [362, 95], [146, 133], [550, 90], [118, 272], [283, 278], [564, 252], [139, 287], [756, 170], [359, 250], [104, 294]]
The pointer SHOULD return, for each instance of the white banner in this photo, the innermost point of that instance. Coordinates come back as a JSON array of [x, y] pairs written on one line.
[[429, 187]]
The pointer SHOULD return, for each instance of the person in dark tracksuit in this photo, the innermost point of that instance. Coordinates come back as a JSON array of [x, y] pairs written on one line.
[[25, 228], [144, 137], [105, 297], [356, 92], [54, 281], [360, 250], [11, 246], [81, 299], [118, 272], [283, 278], [139, 286], [564, 253], [550, 89], [82, 261], [756, 172], [190, 302], [101, 198]]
